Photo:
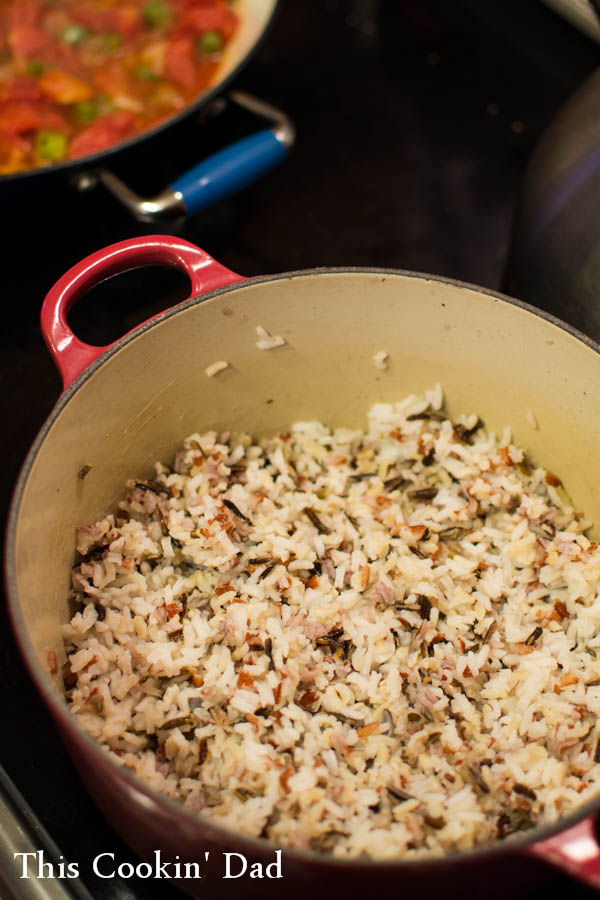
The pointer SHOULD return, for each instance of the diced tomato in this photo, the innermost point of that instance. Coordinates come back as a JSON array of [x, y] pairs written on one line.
[[201, 18], [20, 88], [24, 34], [180, 62], [94, 18], [25, 12], [105, 131], [127, 20], [64, 88], [56, 18], [12, 144], [26, 41], [18, 118], [186, 4], [51, 119], [112, 79], [59, 55]]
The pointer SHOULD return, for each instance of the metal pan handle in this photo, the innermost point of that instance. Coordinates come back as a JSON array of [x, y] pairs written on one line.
[[217, 177], [72, 356], [575, 851]]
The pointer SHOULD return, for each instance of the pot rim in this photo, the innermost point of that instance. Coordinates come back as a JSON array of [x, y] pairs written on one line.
[[60, 710], [91, 160]]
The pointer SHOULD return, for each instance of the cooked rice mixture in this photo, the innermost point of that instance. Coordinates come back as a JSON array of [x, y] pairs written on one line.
[[379, 642]]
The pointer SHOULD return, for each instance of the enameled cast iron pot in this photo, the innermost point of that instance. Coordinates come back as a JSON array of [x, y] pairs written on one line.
[[129, 404]]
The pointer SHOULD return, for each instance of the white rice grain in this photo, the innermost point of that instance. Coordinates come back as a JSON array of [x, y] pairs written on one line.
[[216, 367], [267, 341]]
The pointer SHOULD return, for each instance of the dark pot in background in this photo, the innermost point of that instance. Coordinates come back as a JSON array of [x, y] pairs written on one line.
[[555, 256]]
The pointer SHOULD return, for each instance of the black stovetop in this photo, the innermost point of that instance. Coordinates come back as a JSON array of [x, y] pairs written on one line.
[[415, 121]]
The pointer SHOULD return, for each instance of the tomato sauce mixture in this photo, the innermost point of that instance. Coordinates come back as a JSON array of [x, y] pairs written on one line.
[[77, 76]]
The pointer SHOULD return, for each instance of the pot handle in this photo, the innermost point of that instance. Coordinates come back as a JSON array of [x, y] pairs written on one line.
[[575, 851], [71, 356]]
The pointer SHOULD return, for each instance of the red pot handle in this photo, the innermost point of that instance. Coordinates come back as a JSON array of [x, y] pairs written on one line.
[[71, 355], [576, 851]]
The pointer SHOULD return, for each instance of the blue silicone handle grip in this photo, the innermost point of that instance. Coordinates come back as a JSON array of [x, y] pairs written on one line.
[[229, 170]]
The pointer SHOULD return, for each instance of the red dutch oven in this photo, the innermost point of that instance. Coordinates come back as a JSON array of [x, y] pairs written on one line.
[[130, 403]]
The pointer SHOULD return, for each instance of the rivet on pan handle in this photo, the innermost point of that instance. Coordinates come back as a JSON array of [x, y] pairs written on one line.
[[71, 355], [575, 851]]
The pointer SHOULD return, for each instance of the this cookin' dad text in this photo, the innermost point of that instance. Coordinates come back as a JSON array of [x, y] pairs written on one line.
[[235, 865]]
